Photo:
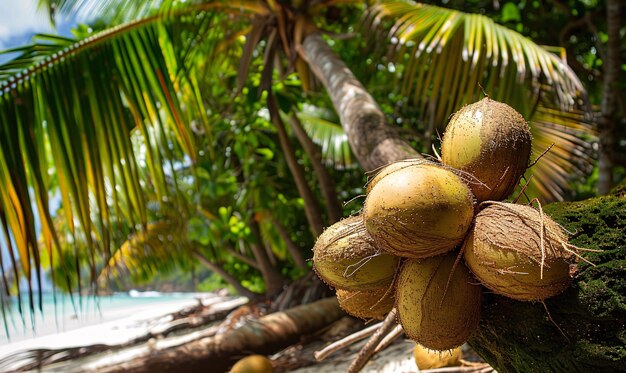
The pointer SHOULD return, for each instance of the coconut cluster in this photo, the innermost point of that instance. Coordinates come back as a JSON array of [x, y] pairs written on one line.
[[431, 233]]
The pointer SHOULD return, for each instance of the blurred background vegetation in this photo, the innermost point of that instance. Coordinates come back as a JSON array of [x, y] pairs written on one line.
[[145, 150]]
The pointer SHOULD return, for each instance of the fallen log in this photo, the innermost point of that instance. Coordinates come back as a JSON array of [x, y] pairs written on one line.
[[264, 335]]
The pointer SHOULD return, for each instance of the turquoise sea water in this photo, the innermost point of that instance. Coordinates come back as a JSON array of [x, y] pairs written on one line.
[[66, 313]]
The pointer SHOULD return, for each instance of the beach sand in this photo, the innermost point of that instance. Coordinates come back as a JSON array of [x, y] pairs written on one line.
[[106, 325]]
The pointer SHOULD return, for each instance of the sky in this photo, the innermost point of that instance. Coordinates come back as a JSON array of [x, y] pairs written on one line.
[[20, 20]]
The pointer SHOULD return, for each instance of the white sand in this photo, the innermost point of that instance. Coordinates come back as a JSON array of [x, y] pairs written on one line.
[[109, 326]]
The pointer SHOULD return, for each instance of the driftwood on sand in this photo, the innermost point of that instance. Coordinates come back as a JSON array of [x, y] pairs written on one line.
[[204, 313], [266, 334]]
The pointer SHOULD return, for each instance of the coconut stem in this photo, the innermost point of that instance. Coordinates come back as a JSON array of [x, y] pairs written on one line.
[[485, 368], [523, 191], [369, 349], [412, 162], [359, 265], [541, 237], [456, 263], [345, 342], [553, 322], [353, 199], [396, 333]]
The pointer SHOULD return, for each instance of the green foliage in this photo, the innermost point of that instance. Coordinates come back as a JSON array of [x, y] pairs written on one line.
[[213, 283], [140, 131]]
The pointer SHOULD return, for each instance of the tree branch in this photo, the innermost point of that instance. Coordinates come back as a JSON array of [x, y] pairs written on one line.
[[295, 253], [274, 281], [327, 185], [311, 208], [243, 258], [230, 279]]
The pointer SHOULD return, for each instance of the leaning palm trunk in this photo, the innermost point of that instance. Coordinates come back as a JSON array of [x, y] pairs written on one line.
[[372, 141]]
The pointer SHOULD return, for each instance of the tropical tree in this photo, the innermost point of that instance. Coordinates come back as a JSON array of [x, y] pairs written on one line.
[[109, 118]]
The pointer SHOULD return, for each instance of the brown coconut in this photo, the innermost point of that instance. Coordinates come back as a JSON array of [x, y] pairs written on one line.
[[366, 305], [345, 257], [491, 141], [507, 252], [419, 211], [438, 308]]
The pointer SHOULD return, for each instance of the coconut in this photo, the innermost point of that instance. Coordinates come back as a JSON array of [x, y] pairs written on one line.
[[491, 141], [510, 255], [366, 305], [345, 257], [418, 211], [428, 359], [438, 303], [253, 364], [390, 168]]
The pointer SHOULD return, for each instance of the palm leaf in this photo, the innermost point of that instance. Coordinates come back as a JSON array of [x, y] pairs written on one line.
[[330, 136], [99, 119], [158, 249], [454, 51], [566, 136], [443, 56]]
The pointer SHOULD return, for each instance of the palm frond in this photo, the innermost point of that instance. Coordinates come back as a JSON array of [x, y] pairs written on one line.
[[446, 54], [330, 136], [102, 121], [445, 57], [115, 12], [567, 136], [158, 249]]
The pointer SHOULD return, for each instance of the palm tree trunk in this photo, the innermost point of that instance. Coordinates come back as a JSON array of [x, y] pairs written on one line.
[[327, 185], [273, 280], [374, 143], [311, 208], [608, 121], [230, 279]]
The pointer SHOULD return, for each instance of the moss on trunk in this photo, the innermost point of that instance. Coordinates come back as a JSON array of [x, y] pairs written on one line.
[[591, 315]]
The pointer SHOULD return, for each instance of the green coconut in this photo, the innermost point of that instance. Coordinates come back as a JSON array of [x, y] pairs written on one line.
[[429, 359], [390, 168], [253, 364], [438, 304], [418, 211], [508, 253], [346, 257], [491, 141], [366, 305]]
